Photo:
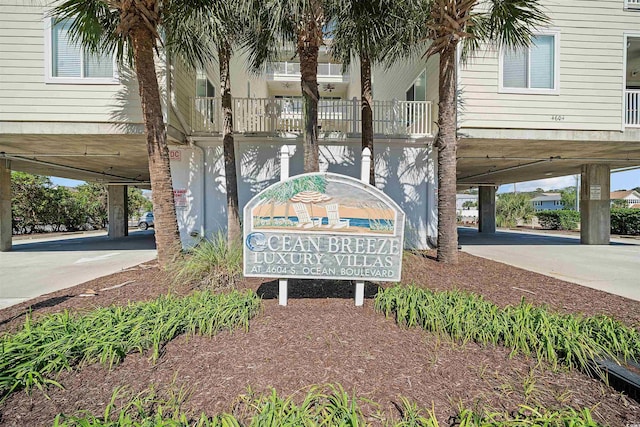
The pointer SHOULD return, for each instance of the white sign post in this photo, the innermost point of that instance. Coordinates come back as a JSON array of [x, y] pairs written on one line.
[[283, 284], [364, 177]]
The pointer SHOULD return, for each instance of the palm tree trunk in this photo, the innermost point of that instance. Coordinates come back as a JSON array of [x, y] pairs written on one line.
[[308, 53], [367, 111], [446, 143], [234, 230], [166, 224]]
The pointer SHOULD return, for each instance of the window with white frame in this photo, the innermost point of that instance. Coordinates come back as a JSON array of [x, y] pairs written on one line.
[[68, 62], [534, 69]]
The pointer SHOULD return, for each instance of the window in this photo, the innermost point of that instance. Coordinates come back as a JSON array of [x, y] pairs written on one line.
[[418, 90], [204, 87], [532, 70], [67, 62]]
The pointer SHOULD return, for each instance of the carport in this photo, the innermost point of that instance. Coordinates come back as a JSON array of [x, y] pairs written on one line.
[[116, 160]]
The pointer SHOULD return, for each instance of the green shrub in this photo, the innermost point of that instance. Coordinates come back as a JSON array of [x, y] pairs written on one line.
[[625, 221], [61, 341], [326, 406], [559, 220], [211, 264], [565, 339], [512, 207]]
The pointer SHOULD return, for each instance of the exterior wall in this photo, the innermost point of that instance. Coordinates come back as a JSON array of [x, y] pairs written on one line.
[[243, 83], [24, 95], [393, 83], [404, 171], [547, 205], [591, 74], [183, 90]]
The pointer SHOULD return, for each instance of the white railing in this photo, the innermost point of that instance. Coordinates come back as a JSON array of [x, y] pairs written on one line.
[[340, 116], [292, 69], [632, 108], [632, 4]]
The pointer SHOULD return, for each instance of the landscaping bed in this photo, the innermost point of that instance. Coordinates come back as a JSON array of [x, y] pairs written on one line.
[[322, 338]]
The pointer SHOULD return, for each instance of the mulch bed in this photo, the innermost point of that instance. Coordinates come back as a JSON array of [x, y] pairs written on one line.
[[320, 337]]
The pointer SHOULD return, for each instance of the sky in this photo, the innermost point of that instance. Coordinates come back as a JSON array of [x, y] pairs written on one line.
[[619, 181]]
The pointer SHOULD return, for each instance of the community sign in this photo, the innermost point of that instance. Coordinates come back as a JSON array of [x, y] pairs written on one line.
[[323, 225]]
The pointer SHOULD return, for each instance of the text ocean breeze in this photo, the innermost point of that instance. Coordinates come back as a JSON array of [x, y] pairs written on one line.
[[327, 256]]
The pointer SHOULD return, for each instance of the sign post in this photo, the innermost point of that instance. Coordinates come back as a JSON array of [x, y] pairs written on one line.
[[323, 226]]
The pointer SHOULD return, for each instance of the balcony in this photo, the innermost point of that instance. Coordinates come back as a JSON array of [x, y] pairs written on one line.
[[632, 108], [632, 4], [290, 71], [336, 118]]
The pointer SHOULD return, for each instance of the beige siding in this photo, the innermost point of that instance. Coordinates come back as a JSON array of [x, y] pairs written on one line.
[[183, 91], [393, 83], [243, 83], [591, 75], [24, 95]]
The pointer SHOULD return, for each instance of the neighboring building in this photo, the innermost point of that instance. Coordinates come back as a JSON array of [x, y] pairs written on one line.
[[547, 202], [568, 104], [631, 198]]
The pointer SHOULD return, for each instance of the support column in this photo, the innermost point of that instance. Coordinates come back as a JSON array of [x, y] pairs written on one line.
[[5, 206], [118, 215], [487, 209], [595, 208]]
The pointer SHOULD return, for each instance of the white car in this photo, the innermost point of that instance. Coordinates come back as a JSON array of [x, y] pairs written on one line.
[[145, 221]]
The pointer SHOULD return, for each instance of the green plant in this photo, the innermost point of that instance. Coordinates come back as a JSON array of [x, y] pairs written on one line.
[[322, 406], [565, 339], [211, 264], [625, 221], [559, 220], [512, 207], [62, 341]]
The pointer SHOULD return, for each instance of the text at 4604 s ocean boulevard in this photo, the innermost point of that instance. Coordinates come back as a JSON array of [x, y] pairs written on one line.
[[330, 256]]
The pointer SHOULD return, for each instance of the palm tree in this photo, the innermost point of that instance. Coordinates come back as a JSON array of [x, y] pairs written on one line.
[[225, 31], [446, 24], [133, 28], [362, 30], [299, 23]]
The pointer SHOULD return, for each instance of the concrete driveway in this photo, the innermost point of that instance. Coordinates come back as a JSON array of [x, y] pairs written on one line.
[[38, 266], [614, 268]]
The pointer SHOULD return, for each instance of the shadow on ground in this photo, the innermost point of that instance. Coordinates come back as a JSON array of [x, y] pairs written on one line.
[[301, 288], [139, 240]]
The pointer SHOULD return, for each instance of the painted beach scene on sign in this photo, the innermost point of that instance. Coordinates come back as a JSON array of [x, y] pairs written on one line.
[[319, 203]]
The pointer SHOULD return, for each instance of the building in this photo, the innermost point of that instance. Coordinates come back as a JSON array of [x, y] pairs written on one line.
[[547, 202], [627, 198], [567, 105]]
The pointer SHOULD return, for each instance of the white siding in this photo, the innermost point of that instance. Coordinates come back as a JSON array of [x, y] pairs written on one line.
[[24, 96], [591, 74], [243, 83]]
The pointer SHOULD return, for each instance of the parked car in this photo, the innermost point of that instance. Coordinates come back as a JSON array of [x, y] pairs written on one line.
[[145, 221]]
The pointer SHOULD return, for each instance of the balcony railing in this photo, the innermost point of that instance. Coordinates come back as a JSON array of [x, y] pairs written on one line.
[[632, 108], [632, 4], [335, 117], [325, 69]]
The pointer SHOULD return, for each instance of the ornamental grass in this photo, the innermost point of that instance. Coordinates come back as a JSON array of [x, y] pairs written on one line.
[[560, 339], [57, 342]]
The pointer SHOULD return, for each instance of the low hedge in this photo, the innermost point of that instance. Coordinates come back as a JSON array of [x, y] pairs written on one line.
[[625, 221], [559, 220]]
